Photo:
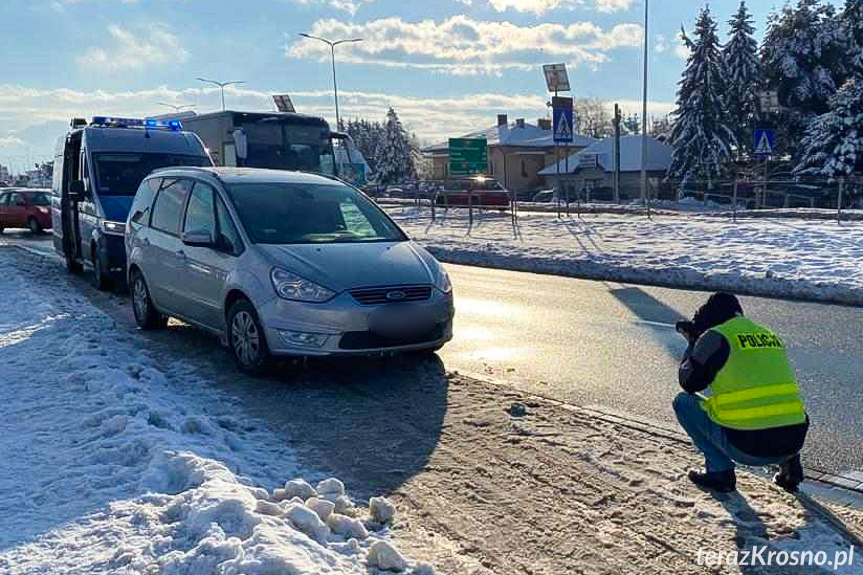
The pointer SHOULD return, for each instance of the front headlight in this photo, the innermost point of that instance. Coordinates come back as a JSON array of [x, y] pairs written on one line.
[[443, 282], [113, 228], [293, 287]]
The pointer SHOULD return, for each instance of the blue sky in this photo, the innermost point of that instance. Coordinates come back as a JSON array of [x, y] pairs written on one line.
[[447, 66]]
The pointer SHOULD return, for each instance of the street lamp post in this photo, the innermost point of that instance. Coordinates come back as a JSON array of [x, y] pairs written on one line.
[[221, 86], [177, 107], [332, 45], [645, 196]]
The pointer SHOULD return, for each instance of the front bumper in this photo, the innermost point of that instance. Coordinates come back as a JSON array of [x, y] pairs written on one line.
[[346, 323]]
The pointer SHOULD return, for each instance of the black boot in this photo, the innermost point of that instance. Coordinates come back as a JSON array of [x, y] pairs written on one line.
[[723, 481], [790, 475]]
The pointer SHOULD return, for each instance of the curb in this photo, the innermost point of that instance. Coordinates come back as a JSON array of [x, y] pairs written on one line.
[[850, 482]]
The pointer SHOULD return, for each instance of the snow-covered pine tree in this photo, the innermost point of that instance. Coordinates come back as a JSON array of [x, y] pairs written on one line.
[[804, 57], [833, 145], [744, 77], [396, 162], [851, 21], [702, 136]]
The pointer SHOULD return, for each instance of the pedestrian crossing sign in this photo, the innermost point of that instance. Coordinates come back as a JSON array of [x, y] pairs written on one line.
[[765, 140], [563, 119]]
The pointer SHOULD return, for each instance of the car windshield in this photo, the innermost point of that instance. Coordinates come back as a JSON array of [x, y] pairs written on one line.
[[120, 174], [40, 199], [275, 213]]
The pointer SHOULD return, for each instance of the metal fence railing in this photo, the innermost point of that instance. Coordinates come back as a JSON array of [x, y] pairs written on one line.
[[742, 197]]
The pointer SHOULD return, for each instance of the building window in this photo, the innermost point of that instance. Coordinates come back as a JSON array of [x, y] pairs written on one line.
[[523, 169]]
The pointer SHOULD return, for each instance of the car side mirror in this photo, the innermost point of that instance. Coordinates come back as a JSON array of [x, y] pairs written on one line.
[[199, 238], [77, 190]]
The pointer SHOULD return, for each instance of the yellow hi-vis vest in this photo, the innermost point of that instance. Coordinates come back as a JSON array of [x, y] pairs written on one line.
[[756, 389]]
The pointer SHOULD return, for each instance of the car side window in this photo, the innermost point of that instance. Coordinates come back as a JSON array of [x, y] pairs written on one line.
[[201, 213], [229, 239], [18, 200], [168, 209], [140, 211], [4, 199]]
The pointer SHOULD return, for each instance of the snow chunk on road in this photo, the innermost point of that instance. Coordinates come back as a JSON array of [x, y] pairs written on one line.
[[331, 486], [298, 488], [322, 507], [347, 526], [381, 509], [386, 557], [307, 521]]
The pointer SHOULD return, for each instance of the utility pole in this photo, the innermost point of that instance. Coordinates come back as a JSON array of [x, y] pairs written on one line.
[[617, 154], [332, 45], [644, 193]]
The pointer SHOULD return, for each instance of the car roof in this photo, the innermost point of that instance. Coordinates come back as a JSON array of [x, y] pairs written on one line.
[[248, 175]]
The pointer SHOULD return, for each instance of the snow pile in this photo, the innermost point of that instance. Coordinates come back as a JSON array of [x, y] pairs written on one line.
[[772, 257], [112, 465]]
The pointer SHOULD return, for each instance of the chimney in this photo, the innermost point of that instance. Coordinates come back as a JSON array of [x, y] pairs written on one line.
[[519, 123], [544, 124], [502, 120]]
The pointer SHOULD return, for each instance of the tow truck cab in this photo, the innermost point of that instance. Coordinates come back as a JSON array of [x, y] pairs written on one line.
[[98, 167]]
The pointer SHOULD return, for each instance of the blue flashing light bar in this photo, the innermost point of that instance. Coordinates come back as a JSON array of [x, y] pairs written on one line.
[[147, 124]]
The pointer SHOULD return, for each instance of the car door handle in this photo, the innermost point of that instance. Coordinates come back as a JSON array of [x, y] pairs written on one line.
[[181, 254]]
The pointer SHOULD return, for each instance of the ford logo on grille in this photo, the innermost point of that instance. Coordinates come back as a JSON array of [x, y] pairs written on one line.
[[396, 295]]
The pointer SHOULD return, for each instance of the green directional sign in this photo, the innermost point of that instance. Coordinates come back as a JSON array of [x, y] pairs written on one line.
[[468, 156]]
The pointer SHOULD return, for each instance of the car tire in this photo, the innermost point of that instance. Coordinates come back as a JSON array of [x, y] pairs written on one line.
[[34, 226], [100, 280], [146, 315], [247, 339], [73, 266]]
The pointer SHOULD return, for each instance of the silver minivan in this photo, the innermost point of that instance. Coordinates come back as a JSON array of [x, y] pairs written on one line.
[[281, 264]]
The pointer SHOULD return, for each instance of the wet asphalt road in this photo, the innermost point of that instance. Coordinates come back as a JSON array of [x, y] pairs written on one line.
[[613, 347]]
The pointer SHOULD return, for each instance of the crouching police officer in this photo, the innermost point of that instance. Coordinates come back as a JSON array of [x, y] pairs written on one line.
[[754, 414]]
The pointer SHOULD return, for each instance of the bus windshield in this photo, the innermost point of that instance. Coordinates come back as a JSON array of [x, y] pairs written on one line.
[[120, 174], [279, 145]]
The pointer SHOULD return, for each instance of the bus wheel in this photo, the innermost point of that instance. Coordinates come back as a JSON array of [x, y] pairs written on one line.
[[100, 280]]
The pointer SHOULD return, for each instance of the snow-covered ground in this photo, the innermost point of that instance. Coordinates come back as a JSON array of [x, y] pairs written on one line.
[[110, 465], [773, 257]]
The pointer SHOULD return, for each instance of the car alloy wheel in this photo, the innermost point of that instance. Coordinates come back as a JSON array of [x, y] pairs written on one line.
[[34, 226], [146, 314], [140, 299], [246, 338]]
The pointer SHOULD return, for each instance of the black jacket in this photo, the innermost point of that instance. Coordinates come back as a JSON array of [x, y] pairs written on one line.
[[702, 361]]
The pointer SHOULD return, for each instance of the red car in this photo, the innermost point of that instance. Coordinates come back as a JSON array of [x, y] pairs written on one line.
[[25, 209]]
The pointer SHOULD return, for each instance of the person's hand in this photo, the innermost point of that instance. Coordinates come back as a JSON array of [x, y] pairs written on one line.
[[687, 330]]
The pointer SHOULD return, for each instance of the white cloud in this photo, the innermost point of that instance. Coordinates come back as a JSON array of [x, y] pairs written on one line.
[[131, 51], [349, 6], [461, 45], [11, 142], [540, 7]]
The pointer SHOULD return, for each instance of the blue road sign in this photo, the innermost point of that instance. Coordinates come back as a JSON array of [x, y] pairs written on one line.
[[765, 141], [563, 119]]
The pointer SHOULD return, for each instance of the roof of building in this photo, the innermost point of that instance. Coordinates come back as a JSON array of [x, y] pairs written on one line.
[[658, 156], [530, 136]]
